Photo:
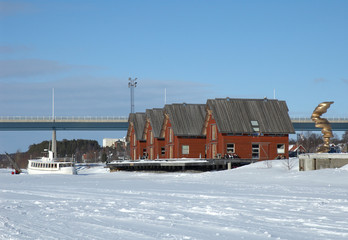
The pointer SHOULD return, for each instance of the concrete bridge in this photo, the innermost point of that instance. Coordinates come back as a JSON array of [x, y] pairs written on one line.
[[306, 124], [63, 123], [121, 124]]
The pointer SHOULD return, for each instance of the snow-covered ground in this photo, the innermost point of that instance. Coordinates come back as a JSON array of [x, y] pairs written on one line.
[[252, 202]]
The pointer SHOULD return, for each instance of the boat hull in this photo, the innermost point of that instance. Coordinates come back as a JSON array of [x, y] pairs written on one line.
[[50, 167], [65, 170]]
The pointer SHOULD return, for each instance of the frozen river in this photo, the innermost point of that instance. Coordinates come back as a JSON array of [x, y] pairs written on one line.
[[251, 202]]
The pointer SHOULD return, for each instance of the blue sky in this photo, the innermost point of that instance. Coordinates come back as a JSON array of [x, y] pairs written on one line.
[[87, 50]]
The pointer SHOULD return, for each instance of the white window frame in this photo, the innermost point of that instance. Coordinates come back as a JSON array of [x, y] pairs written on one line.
[[255, 151], [151, 153], [213, 132], [255, 125], [213, 150], [151, 137], [170, 135], [281, 148], [171, 151], [185, 149], [230, 147]]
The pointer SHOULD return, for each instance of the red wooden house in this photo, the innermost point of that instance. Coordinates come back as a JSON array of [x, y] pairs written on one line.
[[294, 150], [297, 148], [247, 128], [137, 143], [155, 145], [182, 130]]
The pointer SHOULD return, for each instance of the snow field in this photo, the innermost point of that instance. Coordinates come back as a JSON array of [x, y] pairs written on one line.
[[252, 202]]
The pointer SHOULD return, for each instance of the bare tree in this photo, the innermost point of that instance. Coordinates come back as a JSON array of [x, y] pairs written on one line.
[[345, 137], [267, 163], [289, 163]]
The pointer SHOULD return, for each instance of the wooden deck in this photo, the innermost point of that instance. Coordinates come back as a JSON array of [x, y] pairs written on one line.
[[173, 165]]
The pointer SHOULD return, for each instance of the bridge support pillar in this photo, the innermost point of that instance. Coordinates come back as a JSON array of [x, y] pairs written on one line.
[[54, 143]]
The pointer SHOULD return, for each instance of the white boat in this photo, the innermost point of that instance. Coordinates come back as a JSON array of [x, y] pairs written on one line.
[[50, 165]]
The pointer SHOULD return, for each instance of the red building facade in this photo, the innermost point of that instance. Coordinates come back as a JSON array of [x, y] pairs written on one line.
[[247, 128], [182, 146], [248, 146], [222, 128], [155, 145], [182, 131], [137, 144]]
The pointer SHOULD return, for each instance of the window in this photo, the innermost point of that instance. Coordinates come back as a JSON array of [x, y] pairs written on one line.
[[230, 148], [151, 153], [170, 151], [281, 148], [255, 151], [151, 137], [255, 126], [134, 139], [254, 123], [163, 150], [170, 135], [213, 150], [185, 149], [213, 132]]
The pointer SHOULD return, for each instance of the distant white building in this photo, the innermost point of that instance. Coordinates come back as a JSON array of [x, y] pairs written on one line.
[[110, 142]]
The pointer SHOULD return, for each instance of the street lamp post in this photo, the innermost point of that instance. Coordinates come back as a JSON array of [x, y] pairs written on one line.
[[132, 84]]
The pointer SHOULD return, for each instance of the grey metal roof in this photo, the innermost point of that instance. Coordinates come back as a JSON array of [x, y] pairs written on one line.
[[138, 120], [186, 119], [156, 118], [235, 115]]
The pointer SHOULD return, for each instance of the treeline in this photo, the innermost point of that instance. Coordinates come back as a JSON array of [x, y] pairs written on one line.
[[311, 141], [65, 147], [81, 150]]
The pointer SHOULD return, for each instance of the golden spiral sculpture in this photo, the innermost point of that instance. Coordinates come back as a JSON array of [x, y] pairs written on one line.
[[324, 124]]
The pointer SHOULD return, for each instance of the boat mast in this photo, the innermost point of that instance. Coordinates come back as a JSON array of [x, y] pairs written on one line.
[[54, 138]]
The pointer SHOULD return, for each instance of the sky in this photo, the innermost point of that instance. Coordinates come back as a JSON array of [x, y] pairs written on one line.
[[191, 50]]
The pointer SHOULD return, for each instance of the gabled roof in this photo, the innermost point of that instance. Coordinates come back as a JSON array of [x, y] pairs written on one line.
[[156, 117], [186, 119], [236, 115], [294, 148], [137, 120]]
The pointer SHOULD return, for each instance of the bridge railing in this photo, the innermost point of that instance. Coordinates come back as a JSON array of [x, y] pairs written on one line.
[[124, 118], [330, 119], [50, 118]]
